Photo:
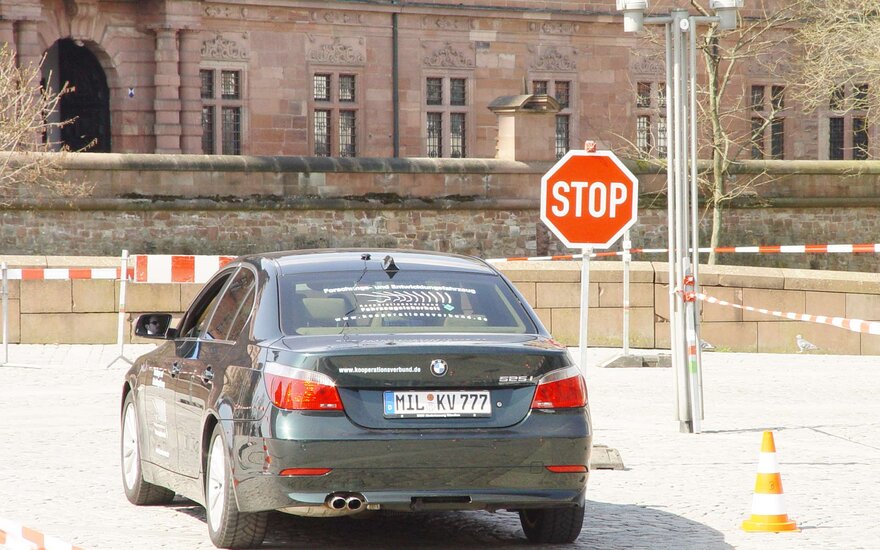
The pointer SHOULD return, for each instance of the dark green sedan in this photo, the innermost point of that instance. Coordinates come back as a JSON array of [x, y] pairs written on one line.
[[340, 382]]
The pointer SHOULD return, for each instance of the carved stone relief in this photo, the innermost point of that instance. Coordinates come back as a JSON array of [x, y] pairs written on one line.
[[222, 48], [225, 11], [446, 23], [449, 56], [554, 27], [554, 59], [647, 63], [336, 51], [337, 17]]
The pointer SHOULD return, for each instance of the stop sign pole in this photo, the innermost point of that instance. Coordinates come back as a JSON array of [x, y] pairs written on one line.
[[589, 199]]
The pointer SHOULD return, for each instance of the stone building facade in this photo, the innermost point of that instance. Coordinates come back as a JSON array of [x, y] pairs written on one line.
[[378, 78]]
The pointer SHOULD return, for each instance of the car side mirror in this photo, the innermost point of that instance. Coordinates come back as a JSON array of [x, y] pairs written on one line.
[[154, 325]]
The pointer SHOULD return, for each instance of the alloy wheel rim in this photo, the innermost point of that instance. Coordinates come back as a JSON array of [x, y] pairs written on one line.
[[215, 497], [130, 454]]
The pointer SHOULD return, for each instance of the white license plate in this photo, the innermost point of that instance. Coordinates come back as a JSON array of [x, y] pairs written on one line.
[[437, 404]]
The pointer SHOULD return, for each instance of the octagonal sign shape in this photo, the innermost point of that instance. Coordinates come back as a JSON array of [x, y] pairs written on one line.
[[589, 200]]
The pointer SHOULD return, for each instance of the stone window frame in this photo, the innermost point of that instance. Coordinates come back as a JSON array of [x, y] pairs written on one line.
[[650, 109], [335, 106], [767, 136], [847, 116], [218, 103], [571, 110], [446, 109]]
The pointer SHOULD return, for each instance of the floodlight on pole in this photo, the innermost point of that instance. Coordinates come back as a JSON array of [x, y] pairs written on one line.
[[726, 11], [633, 14]]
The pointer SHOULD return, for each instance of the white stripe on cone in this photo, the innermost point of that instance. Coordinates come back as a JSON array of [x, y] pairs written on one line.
[[768, 504]]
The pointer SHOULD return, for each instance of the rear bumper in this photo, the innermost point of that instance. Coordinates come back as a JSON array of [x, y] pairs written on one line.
[[419, 469], [273, 492]]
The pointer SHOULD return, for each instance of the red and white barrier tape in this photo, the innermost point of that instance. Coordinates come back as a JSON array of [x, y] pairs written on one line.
[[63, 273], [854, 325], [14, 536], [177, 269], [866, 248]]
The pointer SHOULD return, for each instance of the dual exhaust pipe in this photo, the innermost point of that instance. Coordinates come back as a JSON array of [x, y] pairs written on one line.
[[345, 501]]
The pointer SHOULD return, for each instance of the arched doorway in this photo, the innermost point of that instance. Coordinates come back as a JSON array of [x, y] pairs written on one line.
[[89, 103]]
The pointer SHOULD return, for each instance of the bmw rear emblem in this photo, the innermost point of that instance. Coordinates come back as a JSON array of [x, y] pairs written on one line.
[[439, 367]]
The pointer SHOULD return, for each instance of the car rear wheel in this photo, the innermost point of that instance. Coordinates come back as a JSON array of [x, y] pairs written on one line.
[[228, 527], [552, 525], [137, 490]]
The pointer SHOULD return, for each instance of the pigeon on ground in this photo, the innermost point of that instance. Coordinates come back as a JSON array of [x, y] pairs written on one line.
[[804, 345], [706, 346]]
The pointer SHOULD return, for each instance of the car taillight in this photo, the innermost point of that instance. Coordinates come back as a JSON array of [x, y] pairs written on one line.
[[300, 390], [562, 389]]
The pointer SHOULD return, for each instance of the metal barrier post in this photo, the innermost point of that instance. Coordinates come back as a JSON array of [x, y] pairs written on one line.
[[120, 333], [627, 258], [5, 313]]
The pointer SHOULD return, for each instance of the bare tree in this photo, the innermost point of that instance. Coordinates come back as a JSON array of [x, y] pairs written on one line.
[[838, 41], [29, 162], [760, 41], [727, 117]]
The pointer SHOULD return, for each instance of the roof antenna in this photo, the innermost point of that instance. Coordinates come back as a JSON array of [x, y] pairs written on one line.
[[389, 266]]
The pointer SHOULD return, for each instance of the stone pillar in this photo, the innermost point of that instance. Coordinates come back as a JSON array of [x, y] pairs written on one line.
[[526, 127], [28, 44], [190, 92], [166, 105]]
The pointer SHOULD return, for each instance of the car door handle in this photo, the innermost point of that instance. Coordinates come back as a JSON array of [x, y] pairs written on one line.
[[207, 375], [175, 369]]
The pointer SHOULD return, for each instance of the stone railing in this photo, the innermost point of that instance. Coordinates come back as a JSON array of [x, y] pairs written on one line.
[[86, 311]]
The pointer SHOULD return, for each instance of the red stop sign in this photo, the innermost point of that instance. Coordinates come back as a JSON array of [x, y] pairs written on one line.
[[589, 199]]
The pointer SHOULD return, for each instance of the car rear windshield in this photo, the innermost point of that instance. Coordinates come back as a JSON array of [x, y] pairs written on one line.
[[410, 301]]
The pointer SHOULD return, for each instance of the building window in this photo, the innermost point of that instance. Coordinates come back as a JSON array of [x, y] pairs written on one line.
[[346, 88], [446, 125], [457, 135], [539, 87], [322, 133], [334, 114], [435, 135], [643, 95], [757, 98], [661, 136], [777, 138], [643, 133], [835, 138], [222, 94], [767, 126], [562, 135], [347, 134], [562, 91], [651, 118], [321, 87], [860, 139], [757, 138], [434, 91], [457, 94], [848, 132]]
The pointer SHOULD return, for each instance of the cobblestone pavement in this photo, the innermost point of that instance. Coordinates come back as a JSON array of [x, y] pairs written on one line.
[[59, 465]]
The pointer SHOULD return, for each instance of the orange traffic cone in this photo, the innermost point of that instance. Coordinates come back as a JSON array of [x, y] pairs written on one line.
[[768, 504]]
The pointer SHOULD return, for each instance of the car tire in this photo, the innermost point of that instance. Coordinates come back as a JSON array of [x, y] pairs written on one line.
[[228, 527], [137, 490], [552, 525]]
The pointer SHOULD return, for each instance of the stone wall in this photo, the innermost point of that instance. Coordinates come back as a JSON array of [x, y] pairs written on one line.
[[86, 311], [191, 204]]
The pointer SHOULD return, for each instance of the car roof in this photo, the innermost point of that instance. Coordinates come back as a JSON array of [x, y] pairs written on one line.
[[318, 260]]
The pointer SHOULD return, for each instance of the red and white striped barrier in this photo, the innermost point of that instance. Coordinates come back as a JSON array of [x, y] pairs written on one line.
[[14, 536], [854, 325], [162, 268], [866, 248]]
